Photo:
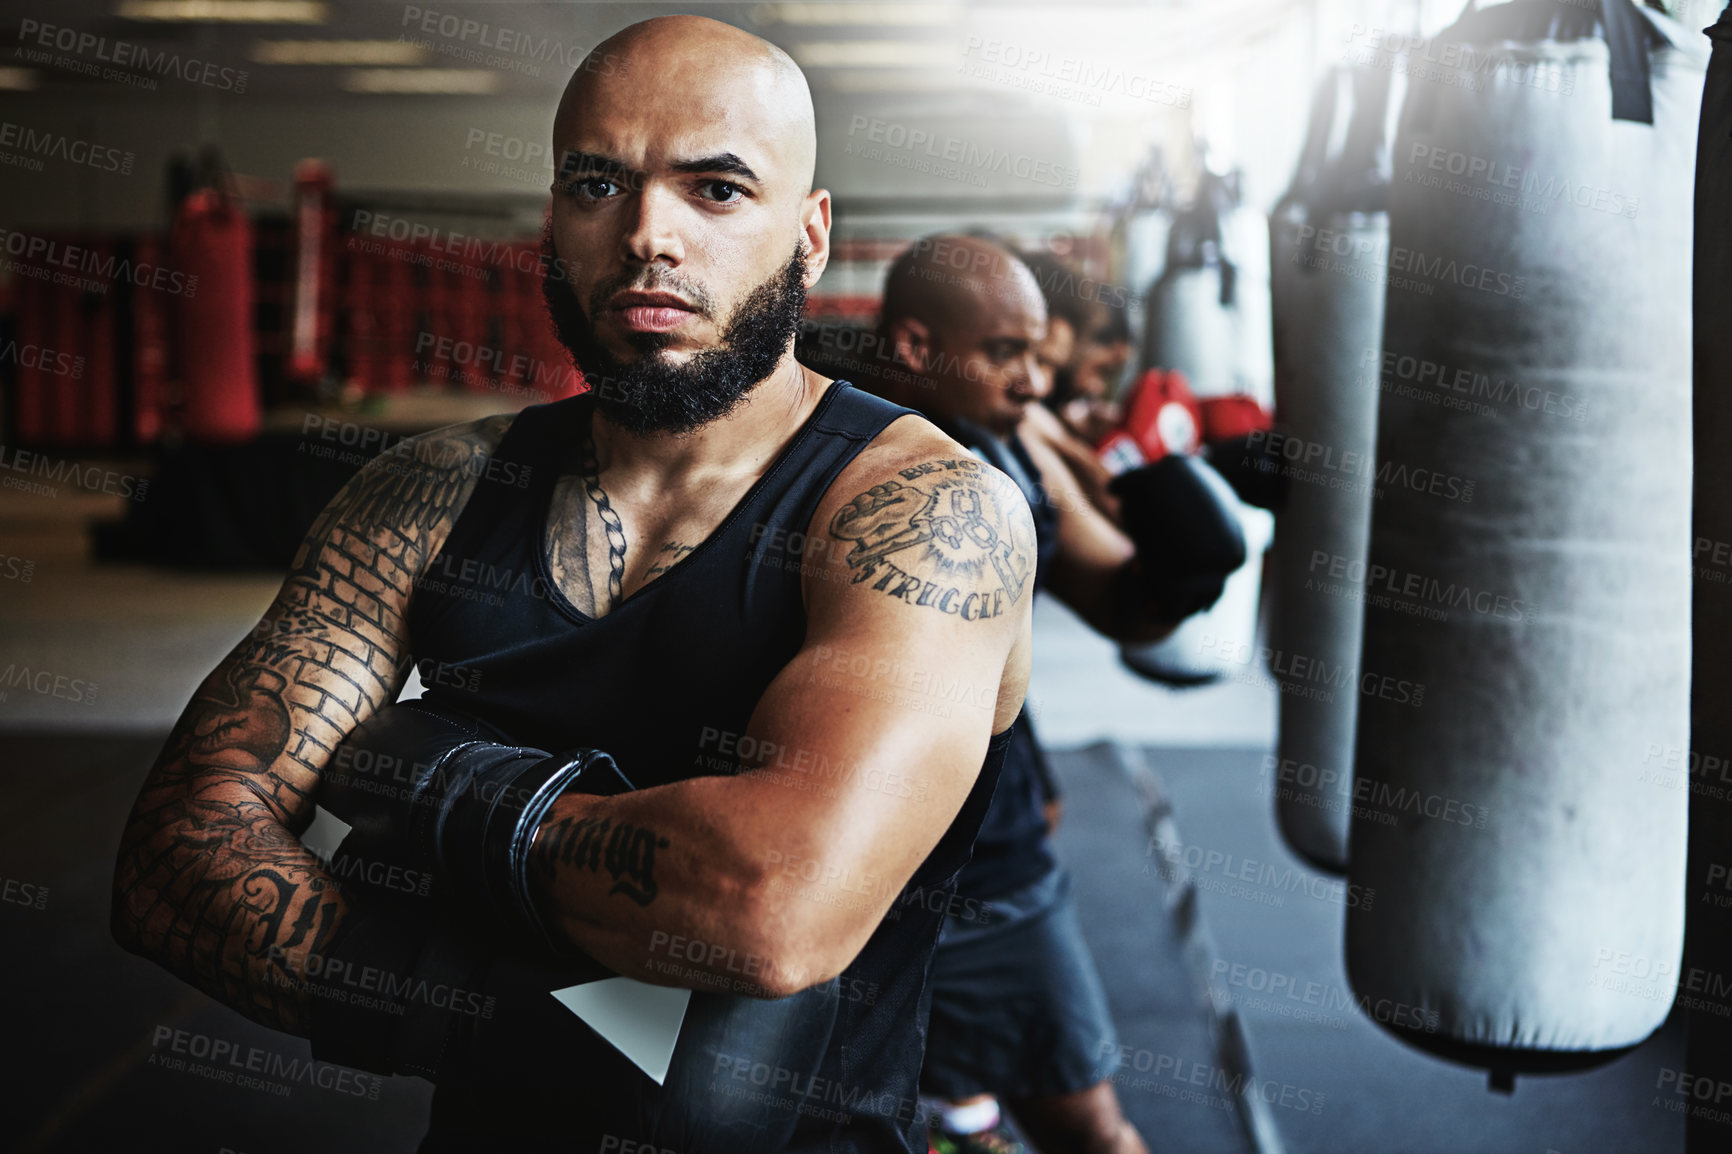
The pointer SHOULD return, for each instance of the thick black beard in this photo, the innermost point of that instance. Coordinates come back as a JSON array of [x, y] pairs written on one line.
[[649, 395]]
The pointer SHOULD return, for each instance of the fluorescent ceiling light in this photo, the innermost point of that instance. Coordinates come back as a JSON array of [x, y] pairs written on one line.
[[350, 52], [424, 81], [874, 54], [17, 79], [888, 81], [227, 11], [928, 15]]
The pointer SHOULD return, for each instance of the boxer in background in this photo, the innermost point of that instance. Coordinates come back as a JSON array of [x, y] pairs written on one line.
[[684, 233], [1086, 383], [1084, 338], [1018, 1013]]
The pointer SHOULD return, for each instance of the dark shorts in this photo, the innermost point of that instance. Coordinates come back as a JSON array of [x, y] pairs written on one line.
[[1017, 1007]]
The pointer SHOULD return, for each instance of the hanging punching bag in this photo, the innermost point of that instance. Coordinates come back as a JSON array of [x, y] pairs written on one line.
[[1288, 217], [150, 342], [1193, 326], [1527, 883], [1703, 769], [1327, 410], [312, 315], [212, 243], [1188, 321], [1245, 235], [1145, 245]]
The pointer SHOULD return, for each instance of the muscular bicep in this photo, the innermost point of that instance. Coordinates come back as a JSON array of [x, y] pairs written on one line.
[[915, 655]]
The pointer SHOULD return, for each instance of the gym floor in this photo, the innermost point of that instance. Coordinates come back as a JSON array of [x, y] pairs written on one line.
[[1218, 1059]]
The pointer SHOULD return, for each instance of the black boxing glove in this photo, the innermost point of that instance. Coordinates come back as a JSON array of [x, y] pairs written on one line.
[[1184, 520], [1253, 466], [450, 796], [449, 998]]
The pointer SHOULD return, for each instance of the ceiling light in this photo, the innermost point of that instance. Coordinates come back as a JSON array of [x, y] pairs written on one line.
[[874, 54], [350, 52], [227, 11], [927, 15], [858, 83], [423, 81]]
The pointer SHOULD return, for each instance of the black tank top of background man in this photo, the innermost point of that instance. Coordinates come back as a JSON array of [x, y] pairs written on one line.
[[1012, 849], [666, 682]]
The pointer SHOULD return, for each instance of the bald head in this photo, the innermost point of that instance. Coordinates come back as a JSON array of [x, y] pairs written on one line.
[[709, 71], [957, 282], [965, 314]]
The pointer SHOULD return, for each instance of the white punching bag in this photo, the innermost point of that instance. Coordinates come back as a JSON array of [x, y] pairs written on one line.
[[1188, 318], [1517, 876], [1193, 323], [1245, 235], [1146, 249], [1327, 413]]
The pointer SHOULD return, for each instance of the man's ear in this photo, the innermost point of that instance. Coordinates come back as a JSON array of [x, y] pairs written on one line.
[[815, 234], [912, 341]]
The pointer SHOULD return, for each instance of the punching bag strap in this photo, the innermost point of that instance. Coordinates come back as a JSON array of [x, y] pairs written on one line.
[[1627, 35], [1720, 32], [1229, 281], [1627, 40]]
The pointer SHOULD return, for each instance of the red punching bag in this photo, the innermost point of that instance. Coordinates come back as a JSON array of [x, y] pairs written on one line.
[[149, 351], [38, 327], [401, 293], [89, 408], [312, 319], [213, 246]]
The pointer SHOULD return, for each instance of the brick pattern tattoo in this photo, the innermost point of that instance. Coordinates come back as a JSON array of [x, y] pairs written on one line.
[[211, 880], [946, 522]]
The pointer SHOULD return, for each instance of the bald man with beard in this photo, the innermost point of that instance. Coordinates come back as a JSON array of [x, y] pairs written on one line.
[[731, 590], [1018, 1012]]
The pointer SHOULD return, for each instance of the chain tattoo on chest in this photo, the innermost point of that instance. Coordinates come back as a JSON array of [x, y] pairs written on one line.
[[591, 473]]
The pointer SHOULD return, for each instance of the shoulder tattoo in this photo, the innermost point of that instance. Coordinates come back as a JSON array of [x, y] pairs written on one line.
[[950, 535]]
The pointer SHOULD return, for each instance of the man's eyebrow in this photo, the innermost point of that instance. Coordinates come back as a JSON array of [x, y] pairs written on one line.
[[575, 161], [720, 162]]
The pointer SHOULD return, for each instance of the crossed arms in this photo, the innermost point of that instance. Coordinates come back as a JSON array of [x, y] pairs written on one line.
[[211, 880]]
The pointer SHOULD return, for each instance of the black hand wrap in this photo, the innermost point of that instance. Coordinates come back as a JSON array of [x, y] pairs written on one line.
[[1184, 520], [430, 794], [470, 805]]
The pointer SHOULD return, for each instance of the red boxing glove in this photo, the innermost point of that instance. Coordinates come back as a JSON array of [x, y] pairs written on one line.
[[1161, 417]]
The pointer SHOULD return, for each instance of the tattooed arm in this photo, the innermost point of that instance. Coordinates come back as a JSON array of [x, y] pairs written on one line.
[[211, 881], [916, 651]]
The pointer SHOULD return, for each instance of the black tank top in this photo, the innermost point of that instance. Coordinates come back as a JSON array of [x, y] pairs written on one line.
[[667, 681], [1012, 849]]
